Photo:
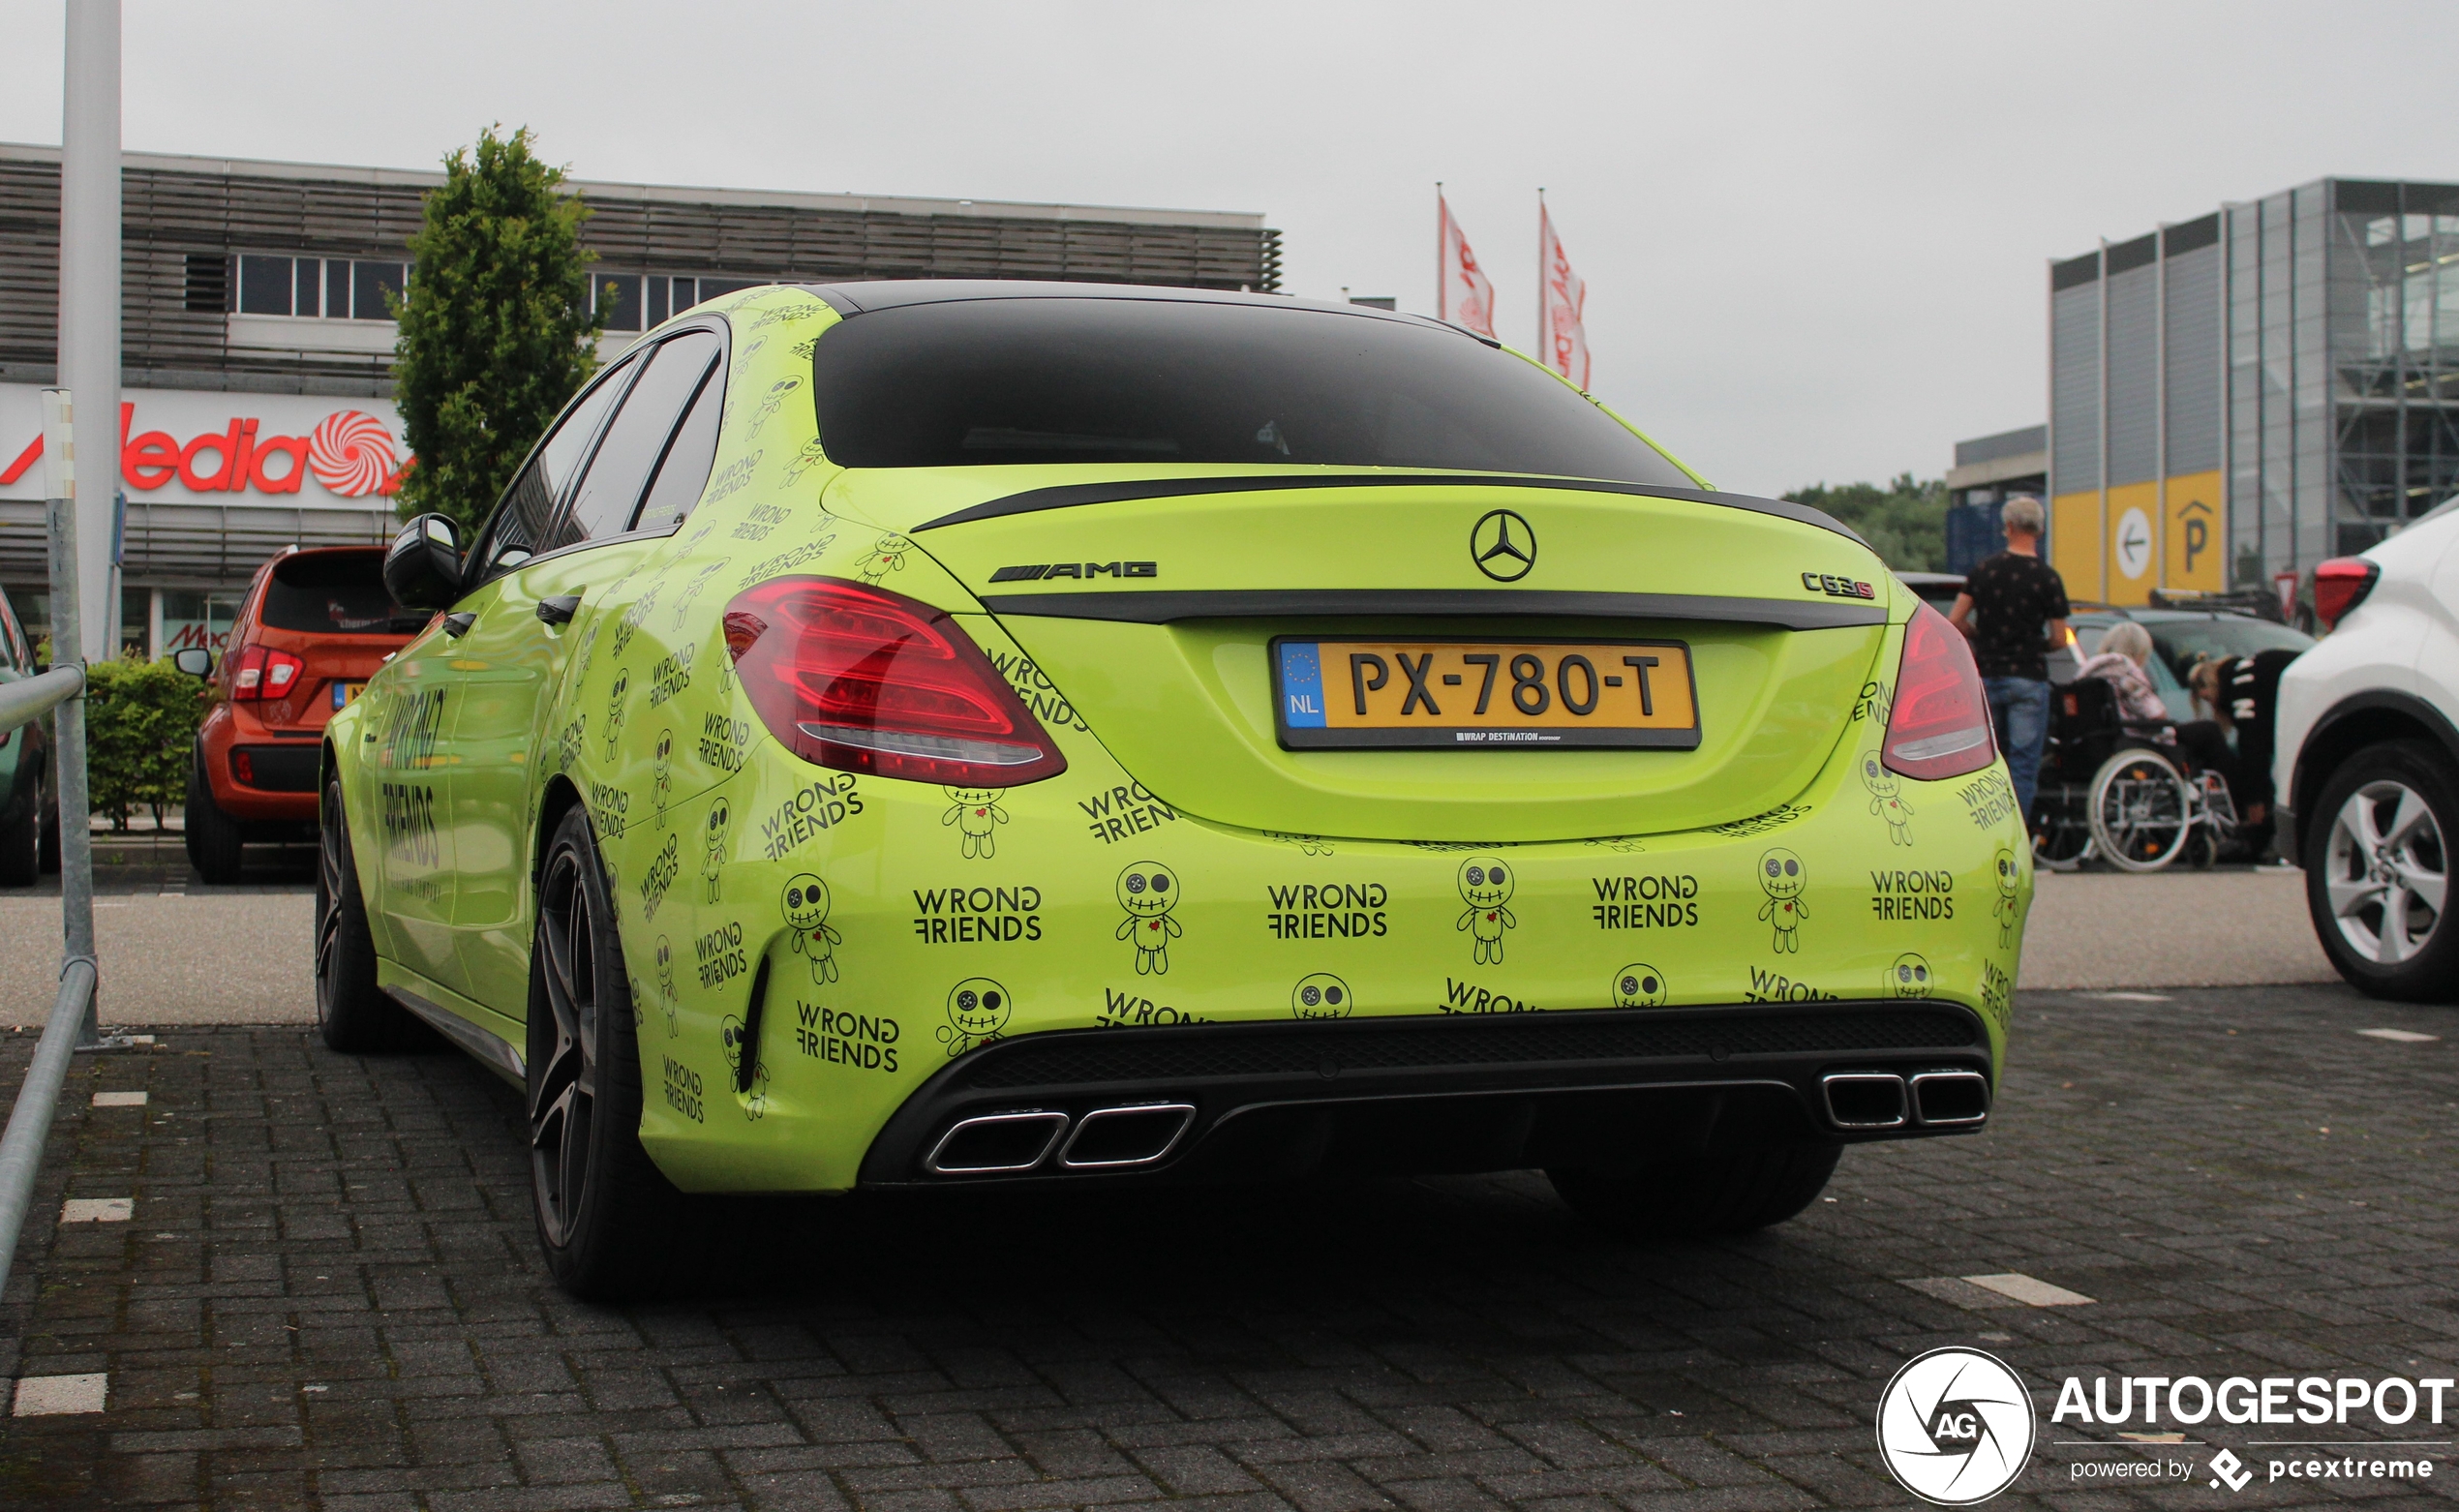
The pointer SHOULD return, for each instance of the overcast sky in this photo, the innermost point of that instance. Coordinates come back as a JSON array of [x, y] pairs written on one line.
[[1813, 235]]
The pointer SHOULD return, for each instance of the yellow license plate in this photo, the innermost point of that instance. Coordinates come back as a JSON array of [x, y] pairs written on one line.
[[344, 692], [1483, 694]]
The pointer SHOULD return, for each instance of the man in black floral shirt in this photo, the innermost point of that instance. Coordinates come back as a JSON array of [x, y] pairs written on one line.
[[2020, 602]]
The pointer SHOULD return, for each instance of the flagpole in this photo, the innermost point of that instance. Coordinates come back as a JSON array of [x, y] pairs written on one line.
[[1443, 236]]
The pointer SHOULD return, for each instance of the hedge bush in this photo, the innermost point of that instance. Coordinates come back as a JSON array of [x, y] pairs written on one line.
[[141, 726]]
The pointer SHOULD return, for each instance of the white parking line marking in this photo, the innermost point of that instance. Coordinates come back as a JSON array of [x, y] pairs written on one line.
[[98, 1210], [2030, 1290], [2400, 1036], [2130, 997], [119, 1099], [42, 1396]]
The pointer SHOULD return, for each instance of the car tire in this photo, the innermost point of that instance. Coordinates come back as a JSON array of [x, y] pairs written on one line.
[[351, 1011], [214, 839], [2386, 822], [611, 1225], [22, 844], [1728, 1190]]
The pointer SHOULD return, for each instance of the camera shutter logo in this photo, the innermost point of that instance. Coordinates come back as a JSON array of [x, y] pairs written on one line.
[[1956, 1427]]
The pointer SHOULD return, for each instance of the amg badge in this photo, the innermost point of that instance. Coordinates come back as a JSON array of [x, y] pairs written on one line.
[[1075, 569]]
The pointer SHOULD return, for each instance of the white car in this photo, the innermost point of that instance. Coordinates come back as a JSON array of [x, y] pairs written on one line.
[[2368, 762]]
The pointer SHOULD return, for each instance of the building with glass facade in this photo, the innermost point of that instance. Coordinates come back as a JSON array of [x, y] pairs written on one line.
[[257, 346], [2251, 391]]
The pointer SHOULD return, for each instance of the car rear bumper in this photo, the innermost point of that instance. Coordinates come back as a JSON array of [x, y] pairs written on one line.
[[282, 762], [1599, 1087]]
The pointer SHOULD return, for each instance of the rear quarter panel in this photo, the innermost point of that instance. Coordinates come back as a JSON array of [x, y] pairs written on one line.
[[2380, 646]]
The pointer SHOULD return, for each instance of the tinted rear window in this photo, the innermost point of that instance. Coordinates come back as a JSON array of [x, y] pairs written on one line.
[[335, 593], [1138, 380]]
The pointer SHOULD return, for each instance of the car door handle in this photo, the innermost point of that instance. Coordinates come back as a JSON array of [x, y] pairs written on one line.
[[458, 625], [558, 609]]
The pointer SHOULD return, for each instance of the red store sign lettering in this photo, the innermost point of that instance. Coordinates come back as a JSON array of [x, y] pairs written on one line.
[[350, 452]]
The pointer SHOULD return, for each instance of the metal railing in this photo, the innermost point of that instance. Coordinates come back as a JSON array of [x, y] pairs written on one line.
[[61, 693]]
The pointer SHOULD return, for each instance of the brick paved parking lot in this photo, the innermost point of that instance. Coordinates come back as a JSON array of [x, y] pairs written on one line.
[[327, 1295]]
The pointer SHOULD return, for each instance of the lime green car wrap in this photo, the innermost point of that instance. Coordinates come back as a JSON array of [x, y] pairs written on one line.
[[887, 927]]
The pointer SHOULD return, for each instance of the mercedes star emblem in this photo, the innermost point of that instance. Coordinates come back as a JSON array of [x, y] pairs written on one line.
[[1502, 546]]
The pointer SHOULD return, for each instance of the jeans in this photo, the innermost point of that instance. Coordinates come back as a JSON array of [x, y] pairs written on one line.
[[2020, 709]]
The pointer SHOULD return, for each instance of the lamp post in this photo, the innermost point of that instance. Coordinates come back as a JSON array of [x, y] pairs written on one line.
[[90, 297]]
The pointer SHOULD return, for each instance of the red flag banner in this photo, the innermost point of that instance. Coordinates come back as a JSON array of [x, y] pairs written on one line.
[[1562, 305], [1462, 295]]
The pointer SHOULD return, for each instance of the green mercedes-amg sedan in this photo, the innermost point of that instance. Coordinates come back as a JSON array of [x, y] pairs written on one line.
[[943, 733]]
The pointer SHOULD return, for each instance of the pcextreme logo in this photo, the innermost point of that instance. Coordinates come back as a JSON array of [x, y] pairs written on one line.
[[178, 445], [1954, 1427]]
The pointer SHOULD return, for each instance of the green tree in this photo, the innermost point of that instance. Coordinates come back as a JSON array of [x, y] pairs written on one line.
[[1905, 522], [493, 336]]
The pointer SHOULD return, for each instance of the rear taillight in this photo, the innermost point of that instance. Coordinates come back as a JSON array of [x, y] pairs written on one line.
[[262, 672], [2340, 584], [863, 679], [1940, 723]]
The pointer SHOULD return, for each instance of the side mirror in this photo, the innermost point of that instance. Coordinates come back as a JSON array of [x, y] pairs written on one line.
[[194, 660], [423, 568]]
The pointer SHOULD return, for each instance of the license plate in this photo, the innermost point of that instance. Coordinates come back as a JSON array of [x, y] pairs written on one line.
[[344, 693], [1484, 693]]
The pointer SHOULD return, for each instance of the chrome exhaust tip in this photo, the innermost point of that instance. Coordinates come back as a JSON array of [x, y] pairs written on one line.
[[1951, 1098], [993, 1143], [1139, 1133], [1864, 1099]]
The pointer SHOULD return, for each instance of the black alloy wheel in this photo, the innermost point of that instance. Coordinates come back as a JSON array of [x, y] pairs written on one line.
[[351, 1011], [611, 1225], [563, 1087]]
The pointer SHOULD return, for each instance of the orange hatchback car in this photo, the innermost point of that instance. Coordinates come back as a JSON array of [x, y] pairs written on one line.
[[313, 628]]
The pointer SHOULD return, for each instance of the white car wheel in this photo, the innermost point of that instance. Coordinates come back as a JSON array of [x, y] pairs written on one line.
[[2378, 871], [2388, 872]]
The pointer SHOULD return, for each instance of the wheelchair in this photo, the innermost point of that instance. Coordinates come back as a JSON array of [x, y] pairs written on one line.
[[2111, 789]]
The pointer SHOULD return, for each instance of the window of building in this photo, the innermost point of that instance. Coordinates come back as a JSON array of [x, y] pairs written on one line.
[[370, 283], [136, 622], [640, 302], [193, 617], [33, 603], [329, 289]]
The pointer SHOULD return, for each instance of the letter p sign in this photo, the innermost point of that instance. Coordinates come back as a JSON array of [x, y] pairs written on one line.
[[2190, 530]]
